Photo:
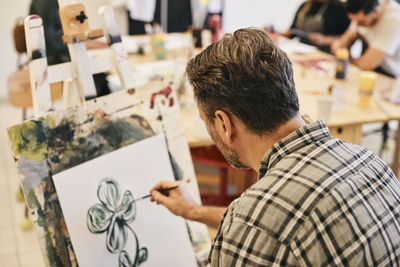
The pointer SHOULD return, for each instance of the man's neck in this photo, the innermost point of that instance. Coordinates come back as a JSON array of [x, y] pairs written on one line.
[[254, 146]]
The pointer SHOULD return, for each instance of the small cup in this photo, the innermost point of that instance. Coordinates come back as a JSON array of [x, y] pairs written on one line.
[[366, 88], [339, 97], [159, 46], [324, 107]]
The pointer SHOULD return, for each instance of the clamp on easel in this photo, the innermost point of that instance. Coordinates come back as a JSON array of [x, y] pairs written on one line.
[[76, 32], [75, 24]]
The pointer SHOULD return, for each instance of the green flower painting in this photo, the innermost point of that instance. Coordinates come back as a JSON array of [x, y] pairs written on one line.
[[112, 216]]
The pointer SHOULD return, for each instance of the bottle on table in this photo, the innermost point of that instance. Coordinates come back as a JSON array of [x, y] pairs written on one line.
[[159, 43], [342, 62]]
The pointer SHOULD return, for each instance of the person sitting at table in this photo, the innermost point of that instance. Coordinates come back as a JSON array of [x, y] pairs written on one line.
[[379, 25], [318, 201], [319, 22], [141, 13]]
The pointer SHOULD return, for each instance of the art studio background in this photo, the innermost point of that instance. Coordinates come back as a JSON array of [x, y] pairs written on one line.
[[21, 248]]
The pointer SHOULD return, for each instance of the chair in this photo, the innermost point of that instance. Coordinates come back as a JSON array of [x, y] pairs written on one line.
[[20, 93]]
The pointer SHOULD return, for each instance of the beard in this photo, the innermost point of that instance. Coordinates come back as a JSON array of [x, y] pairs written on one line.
[[230, 155]]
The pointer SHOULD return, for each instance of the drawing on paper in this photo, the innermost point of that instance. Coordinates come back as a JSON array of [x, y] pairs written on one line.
[[113, 216]]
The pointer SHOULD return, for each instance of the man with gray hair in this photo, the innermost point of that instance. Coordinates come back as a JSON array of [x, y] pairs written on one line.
[[318, 201]]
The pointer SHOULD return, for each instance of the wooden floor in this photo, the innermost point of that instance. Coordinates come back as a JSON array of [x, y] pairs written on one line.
[[19, 248]]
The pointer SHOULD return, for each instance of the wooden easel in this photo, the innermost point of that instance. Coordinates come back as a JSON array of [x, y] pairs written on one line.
[[77, 74], [152, 107]]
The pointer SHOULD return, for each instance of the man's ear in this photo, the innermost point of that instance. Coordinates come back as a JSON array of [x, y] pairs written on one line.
[[225, 126]]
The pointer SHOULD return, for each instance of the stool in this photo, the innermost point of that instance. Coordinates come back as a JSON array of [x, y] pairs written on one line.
[[20, 93]]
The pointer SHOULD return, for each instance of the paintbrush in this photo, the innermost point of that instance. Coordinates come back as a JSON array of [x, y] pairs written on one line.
[[163, 191]]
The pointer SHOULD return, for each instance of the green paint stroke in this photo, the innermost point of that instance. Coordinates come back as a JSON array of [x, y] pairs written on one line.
[[28, 139]]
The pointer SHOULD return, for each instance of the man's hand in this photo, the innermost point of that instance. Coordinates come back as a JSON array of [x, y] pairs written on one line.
[[346, 39], [180, 203], [178, 200], [338, 43]]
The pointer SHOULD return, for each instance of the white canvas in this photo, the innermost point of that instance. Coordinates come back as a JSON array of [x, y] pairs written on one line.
[[137, 168]]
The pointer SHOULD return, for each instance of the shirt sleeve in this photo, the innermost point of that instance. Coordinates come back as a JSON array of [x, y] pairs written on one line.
[[242, 244], [386, 37]]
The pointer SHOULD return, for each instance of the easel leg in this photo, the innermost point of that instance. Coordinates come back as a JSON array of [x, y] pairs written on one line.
[[396, 155], [23, 114]]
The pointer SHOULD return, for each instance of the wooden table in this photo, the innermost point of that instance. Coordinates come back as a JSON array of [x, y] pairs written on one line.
[[344, 123]]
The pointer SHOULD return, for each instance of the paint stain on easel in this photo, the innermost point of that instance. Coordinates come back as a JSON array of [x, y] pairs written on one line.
[[131, 91], [64, 147], [166, 92]]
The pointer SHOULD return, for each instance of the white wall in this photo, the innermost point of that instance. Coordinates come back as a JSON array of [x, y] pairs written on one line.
[[11, 10], [258, 13]]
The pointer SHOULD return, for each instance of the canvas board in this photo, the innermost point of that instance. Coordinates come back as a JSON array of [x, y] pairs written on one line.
[[136, 168], [62, 140]]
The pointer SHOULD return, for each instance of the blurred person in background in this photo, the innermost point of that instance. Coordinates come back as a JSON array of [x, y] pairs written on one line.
[[319, 22], [149, 12], [379, 26]]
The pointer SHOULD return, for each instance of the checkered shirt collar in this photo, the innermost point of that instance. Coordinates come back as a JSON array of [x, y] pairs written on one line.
[[310, 133]]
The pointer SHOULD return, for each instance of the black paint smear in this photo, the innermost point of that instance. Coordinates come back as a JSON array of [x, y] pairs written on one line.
[[178, 172], [115, 39], [118, 132], [40, 136], [37, 53], [61, 135]]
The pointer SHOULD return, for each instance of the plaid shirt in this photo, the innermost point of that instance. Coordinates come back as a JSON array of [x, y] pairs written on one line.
[[318, 202]]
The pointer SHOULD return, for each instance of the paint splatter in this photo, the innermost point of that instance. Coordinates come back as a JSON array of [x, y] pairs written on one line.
[[164, 92]]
